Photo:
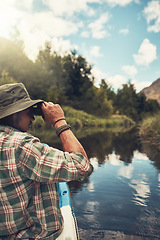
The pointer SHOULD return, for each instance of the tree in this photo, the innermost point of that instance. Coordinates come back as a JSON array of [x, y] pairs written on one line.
[[51, 65], [14, 62], [5, 78], [110, 94], [134, 105], [97, 103], [56, 95], [78, 77], [126, 101]]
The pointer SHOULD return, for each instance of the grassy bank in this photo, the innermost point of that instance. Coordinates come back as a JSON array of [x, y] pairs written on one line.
[[150, 130], [80, 119], [83, 124]]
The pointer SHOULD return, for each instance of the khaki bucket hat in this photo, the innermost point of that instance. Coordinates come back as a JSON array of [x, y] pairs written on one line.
[[14, 98]]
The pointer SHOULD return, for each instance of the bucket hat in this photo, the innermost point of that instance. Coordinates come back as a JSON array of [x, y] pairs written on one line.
[[14, 98]]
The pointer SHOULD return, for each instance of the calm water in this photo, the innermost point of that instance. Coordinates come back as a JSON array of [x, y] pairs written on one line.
[[123, 192], [122, 195]]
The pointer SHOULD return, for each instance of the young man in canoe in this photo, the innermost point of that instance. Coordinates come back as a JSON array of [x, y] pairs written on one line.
[[29, 170]]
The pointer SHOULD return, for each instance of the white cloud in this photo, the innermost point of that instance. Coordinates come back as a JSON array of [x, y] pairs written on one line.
[[9, 16], [69, 7], [146, 53], [95, 51], [62, 46], [97, 27], [122, 3], [58, 44], [24, 5], [152, 15], [124, 31], [140, 85], [115, 81], [36, 29], [49, 24], [130, 70], [85, 34], [98, 74]]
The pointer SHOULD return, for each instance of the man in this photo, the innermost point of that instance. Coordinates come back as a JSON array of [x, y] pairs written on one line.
[[29, 170]]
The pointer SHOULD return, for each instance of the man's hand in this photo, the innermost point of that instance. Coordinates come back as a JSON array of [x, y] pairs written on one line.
[[52, 112]]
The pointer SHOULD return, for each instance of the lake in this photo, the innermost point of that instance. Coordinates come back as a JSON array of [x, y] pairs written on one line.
[[120, 200]]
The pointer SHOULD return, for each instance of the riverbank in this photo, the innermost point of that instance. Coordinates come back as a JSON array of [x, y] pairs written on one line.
[[149, 130], [80, 119], [82, 124]]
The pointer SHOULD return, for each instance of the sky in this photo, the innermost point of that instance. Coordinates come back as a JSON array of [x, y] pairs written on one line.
[[119, 38]]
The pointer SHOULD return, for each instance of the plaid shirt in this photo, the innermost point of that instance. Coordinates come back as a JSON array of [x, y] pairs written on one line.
[[29, 170]]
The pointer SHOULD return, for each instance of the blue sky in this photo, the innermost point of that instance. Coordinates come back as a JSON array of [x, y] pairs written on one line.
[[120, 38]]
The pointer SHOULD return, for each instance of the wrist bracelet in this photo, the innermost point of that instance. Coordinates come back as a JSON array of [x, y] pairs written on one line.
[[62, 129], [58, 120]]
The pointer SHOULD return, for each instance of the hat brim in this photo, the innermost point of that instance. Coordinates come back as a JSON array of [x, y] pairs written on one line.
[[18, 107]]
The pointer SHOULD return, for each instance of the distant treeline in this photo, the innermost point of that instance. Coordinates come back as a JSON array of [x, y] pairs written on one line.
[[68, 80]]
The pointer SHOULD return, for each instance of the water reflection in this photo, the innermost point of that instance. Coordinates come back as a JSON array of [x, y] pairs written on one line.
[[102, 144], [153, 153], [142, 190], [122, 194], [126, 171]]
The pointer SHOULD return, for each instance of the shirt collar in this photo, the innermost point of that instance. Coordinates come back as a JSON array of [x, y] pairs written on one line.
[[6, 129]]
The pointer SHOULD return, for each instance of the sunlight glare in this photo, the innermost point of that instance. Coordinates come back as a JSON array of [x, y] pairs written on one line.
[[8, 19]]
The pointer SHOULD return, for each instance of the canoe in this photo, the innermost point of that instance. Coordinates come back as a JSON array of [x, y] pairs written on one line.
[[70, 231]]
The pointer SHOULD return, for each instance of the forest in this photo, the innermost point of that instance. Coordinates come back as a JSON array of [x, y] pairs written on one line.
[[68, 80]]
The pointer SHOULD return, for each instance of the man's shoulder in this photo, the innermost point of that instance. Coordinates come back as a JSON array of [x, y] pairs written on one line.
[[15, 135]]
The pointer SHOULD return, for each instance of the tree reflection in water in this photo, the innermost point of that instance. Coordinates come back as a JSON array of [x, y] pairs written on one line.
[[120, 198], [101, 144], [122, 193], [153, 153]]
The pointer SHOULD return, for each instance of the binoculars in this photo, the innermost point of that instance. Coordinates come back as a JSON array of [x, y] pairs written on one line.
[[37, 110]]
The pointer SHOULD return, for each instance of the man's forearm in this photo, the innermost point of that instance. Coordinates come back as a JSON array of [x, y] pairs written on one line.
[[69, 141], [54, 115]]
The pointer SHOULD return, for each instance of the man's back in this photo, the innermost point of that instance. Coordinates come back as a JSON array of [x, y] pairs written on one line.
[[27, 207]]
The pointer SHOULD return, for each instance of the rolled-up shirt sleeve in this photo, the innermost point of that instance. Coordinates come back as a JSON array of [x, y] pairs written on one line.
[[42, 163]]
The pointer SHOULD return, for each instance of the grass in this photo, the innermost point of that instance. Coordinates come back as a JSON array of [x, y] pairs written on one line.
[[150, 130], [80, 119], [83, 124]]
